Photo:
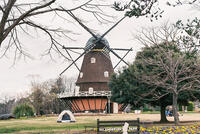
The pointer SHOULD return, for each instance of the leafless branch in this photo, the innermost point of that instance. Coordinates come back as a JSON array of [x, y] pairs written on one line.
[[18, 16]]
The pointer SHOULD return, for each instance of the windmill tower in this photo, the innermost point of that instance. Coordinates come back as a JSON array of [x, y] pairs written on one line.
[[92, 92]]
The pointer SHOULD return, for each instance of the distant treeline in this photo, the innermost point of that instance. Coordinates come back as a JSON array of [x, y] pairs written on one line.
[[42, 97]]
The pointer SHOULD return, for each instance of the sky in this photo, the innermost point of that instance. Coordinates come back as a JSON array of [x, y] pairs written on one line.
[[16, 79]]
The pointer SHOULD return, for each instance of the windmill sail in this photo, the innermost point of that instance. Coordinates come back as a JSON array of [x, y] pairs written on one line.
[[92, 92]]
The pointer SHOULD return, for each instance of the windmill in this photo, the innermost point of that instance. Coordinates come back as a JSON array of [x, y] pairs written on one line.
[[92, 92]]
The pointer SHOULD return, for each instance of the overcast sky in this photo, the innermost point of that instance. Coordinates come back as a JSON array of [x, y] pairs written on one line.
[[16, 79]]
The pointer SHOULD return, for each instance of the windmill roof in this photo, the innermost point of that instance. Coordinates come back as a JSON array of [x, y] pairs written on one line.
[[92, 40]]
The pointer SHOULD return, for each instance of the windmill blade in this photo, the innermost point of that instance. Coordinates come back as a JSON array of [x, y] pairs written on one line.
[[123, 57], [113, 27], [73, 62], [74, 51], [97, 40], [121, 49], [84, 26], [105, 52], [72, 47], [85, 51], [72, 59], [117, 55]]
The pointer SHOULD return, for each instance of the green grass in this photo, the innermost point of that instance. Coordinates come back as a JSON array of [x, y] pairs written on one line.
[[46, 125], [41, 123], [49, 128], [151, 112]]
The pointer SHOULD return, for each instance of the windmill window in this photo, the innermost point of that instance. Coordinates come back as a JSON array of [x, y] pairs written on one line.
[[81, 74], [106, 74], [93, 60], [90, 90]]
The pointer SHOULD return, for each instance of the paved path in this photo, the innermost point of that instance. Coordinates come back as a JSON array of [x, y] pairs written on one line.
[[150, 117]]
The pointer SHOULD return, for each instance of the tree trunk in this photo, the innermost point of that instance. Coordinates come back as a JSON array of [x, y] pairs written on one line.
[[163, 118], [175, 109]]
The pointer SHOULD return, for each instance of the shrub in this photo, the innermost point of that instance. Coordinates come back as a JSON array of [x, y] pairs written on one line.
[[23, 110], [146, 108], [180, 108], [190, 107]]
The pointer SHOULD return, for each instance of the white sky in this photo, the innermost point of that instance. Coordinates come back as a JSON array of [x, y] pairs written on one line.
[[16, 79]]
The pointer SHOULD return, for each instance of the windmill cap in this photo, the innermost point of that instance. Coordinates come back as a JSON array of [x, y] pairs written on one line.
[[98, 45]]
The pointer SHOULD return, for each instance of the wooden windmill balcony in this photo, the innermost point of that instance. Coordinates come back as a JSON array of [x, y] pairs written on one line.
[[85, 94]]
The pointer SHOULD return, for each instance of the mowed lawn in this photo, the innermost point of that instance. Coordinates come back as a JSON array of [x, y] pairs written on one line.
[[43, 124], [49, 124]]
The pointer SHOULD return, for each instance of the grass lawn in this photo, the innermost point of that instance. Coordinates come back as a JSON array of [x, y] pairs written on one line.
[[43, 124], [46, 124], [49, 124]]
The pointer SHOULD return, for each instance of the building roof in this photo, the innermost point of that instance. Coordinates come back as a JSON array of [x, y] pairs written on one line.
[[99, 45]]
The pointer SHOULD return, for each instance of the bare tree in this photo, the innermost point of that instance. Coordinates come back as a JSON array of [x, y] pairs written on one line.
[[178, 71], [6, 104], [16, 15], [37, 97], [66, 84], [44, 96]]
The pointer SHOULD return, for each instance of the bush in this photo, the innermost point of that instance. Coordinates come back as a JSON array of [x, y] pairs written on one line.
[[146, 108], [190, 107], [180, 108], [23, 110]]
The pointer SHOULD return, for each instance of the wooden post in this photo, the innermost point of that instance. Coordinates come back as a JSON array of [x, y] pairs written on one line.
[[97, 126], [138, 126]]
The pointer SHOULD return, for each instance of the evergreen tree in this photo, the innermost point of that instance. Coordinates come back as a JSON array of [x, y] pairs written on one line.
[[23, 110]]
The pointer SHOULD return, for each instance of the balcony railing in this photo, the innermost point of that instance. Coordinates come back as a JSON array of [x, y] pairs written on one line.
[[85, 94]]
